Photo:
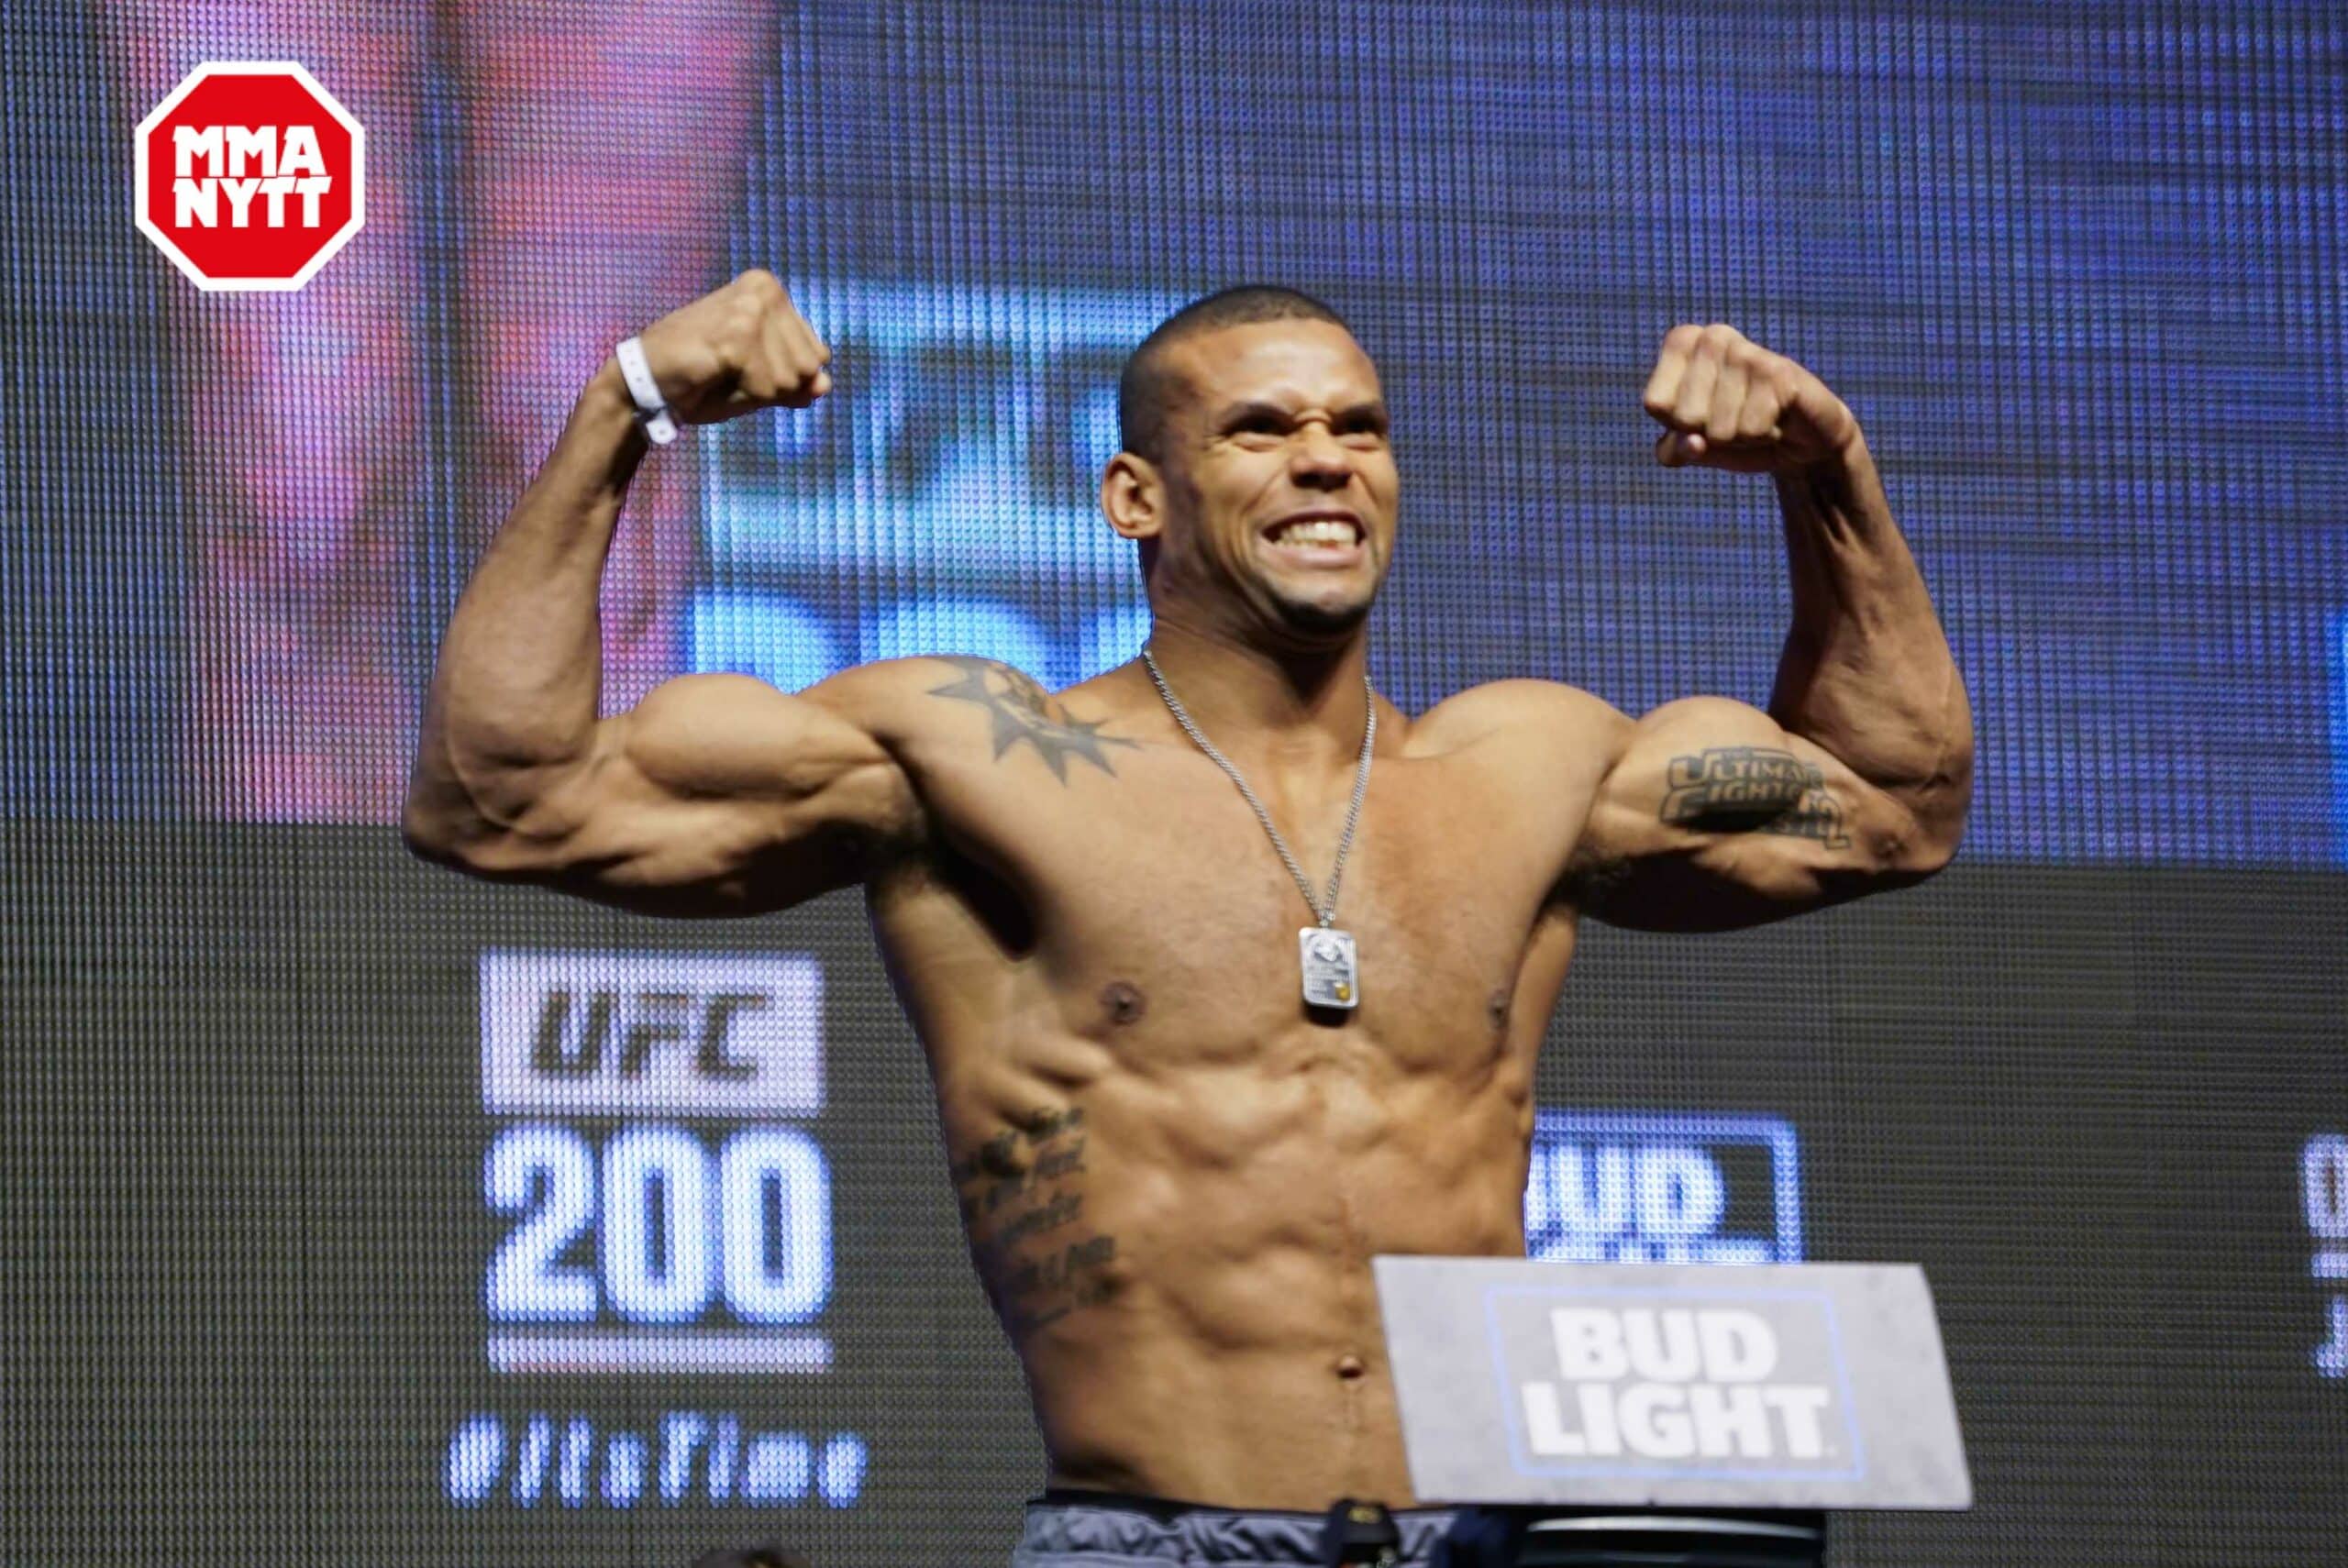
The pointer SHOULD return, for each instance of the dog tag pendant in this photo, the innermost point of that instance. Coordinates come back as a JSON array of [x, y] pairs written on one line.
[[1331, 976]]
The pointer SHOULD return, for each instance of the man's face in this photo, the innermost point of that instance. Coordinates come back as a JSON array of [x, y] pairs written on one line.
[[1280, 485]]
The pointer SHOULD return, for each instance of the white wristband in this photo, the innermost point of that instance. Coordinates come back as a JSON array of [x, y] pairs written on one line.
[[658, 423]]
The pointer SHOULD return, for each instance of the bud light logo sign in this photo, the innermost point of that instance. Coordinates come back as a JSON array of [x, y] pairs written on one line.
[[1663, 1186], [1737, 1385]]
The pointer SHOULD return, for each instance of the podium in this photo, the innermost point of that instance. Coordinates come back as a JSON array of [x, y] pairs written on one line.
[[1670, 1416]]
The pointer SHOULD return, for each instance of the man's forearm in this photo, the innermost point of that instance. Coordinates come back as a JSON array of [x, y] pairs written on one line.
[[521, 665], [1867, 672]]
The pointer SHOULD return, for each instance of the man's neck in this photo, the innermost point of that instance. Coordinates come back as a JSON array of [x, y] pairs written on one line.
[[1305, 703]]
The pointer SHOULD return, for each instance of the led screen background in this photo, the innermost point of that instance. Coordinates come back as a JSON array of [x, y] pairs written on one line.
[[2079, 274]]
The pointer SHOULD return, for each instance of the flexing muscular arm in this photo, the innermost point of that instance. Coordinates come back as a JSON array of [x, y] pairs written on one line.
[[1713, 813], [717, 794]]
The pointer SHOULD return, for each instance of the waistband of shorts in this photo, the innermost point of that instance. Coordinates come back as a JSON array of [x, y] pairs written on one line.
[[1070, 1526], [1139, 1502]]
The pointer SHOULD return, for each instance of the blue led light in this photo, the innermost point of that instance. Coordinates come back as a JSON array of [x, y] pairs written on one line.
[[656, 1230], [2338, 647], [623, 1461], [778, 1468], [958, 623], [636, 1464], [546, 1174], [842, 1477], [676, 1226], [770, 636], [475, 1455], [777, 1225], [1634, 1186]]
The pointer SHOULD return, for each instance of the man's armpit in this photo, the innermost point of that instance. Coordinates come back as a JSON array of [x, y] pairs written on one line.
[[1592, 879]]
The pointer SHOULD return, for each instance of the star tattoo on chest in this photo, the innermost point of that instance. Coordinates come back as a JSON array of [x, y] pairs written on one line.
[[1020, 711]]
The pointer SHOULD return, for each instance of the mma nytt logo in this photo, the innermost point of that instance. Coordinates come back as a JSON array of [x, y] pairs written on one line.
[[249, 175]]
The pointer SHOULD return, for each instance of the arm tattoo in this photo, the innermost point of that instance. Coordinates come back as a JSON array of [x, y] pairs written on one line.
[[1020, 711], [1750, 789]]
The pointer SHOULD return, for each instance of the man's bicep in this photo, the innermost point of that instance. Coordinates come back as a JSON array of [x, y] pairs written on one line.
[[719, 794], [1712, 817]]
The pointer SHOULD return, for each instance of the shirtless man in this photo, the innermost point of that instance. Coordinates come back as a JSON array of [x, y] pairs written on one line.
[[1173, 1167]]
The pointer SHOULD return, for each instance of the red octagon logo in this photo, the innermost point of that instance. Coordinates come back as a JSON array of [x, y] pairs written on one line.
[[250, 176]]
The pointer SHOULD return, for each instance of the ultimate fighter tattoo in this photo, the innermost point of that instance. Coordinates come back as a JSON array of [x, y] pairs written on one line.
[[1751, 789], [1021, 712]]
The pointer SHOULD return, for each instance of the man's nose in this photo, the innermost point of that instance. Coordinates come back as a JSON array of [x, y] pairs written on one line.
[[1318, 458]]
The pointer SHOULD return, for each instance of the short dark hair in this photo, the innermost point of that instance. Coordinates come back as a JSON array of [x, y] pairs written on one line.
[[1146, 385]]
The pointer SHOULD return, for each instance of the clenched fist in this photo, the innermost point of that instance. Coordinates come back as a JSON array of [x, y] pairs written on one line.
[[737, 350], [1727, 403]]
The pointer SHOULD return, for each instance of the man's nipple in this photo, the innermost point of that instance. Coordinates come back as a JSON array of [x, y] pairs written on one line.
[[1122, 1003]]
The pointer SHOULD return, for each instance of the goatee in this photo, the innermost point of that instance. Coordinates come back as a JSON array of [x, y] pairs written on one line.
[[1320, 622]]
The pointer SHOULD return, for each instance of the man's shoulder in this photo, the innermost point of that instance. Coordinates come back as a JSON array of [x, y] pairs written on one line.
[[892, 696], [1536, 718], [935, 710]]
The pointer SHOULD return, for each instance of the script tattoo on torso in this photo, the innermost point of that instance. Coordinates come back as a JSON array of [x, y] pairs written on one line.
[[1022, 1196], [1020, 711], [1751, 789]]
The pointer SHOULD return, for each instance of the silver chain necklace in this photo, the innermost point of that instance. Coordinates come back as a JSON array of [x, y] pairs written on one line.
[[1331, 970]]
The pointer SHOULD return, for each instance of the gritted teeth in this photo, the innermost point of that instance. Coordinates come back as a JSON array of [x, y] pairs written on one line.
[[1316, 531]]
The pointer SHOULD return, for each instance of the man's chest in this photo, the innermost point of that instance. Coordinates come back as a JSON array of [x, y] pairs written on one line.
[[1157, 875]]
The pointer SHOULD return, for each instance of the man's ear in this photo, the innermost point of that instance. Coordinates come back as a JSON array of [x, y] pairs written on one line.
[[1132, 496]]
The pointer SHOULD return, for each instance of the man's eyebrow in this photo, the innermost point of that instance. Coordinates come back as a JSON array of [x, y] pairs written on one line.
[[1240, 414]]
